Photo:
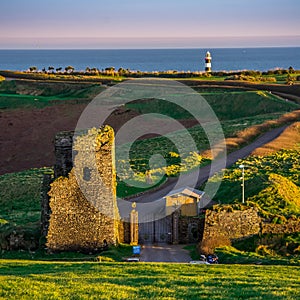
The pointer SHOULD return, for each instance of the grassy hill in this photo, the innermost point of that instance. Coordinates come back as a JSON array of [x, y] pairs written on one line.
[[280, 196], [227, 105], [272, 182], [234, 105], [237, 110]]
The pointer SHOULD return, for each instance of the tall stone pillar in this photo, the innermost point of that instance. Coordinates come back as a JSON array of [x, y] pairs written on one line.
[[134, 226], [175, 227]]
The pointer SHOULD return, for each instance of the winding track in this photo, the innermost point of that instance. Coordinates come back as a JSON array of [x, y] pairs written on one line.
[[204, 173]]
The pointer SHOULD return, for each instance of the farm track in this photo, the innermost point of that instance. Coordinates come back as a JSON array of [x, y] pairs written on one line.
[[201, 176]]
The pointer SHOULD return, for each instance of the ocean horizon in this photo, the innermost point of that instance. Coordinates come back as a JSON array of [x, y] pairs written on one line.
[[148, 60]]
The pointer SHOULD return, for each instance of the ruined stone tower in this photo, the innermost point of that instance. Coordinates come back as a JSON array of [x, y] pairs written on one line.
[[84, 213]]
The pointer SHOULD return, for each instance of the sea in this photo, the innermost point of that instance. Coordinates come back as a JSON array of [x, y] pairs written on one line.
[[223, 59]]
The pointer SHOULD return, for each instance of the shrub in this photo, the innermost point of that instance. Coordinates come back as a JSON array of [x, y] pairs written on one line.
[[101, 258], [208, 246], [268, 79], [264, 250]]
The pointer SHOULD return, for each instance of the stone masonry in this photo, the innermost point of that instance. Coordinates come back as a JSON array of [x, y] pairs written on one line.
[[232, 225], [84, 213]]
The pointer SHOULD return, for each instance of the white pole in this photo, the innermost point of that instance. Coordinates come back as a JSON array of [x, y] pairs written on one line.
[[243, 183], [243, 186]]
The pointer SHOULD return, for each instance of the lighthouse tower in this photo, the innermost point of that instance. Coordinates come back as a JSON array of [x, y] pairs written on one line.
[[207, 62]]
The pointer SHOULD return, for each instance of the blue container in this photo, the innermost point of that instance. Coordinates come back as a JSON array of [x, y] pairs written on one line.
[[136, 249]]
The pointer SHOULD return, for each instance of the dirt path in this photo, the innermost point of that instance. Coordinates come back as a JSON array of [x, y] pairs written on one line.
[[165, 253], [289, 139]]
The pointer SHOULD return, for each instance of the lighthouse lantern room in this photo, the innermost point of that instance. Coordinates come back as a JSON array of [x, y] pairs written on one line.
[[207, 62]]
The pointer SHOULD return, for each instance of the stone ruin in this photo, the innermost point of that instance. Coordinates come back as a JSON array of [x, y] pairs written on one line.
[[80, 211], [225, 225], [71, 222]]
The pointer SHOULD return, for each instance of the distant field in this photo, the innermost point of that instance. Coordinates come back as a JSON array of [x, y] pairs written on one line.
[[236, 111], [44, 280], [18, 94], [226, 105]]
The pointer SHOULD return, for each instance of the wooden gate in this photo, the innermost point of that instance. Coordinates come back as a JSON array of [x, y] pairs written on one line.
[[157, 231]]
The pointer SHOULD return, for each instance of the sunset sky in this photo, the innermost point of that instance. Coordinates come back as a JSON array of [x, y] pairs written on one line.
[[148, 24]]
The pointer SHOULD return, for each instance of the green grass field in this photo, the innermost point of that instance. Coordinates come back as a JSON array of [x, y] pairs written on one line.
[[227, 105], [236, 110], [20, 210], [18, 94], [234, 105], [55, 280], [142, 150]]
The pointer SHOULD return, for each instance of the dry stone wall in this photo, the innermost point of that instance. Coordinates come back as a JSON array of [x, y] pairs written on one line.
[[232, 224], [290, 226], [84, 212], [222, 226]]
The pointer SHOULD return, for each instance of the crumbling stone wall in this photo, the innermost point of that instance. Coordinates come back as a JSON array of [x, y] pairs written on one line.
[[84, 212], [231, 224], [63, 143], [63, 153], [223, 225], [290, 226]]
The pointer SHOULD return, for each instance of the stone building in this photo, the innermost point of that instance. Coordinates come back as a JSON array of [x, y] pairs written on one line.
[[186, 199], [84, 213]]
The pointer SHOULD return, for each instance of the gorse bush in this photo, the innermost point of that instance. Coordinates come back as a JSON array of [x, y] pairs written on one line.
[[281, 196]]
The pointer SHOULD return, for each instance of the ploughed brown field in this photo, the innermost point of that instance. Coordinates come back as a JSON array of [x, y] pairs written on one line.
[[27, 135]]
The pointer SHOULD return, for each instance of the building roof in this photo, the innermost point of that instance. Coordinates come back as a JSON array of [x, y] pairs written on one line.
[[186, 191]]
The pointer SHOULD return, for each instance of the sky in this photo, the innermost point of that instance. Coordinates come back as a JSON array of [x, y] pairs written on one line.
[[107, 24]]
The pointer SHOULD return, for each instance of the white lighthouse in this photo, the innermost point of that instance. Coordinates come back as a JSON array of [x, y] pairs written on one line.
[[207, 62]]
